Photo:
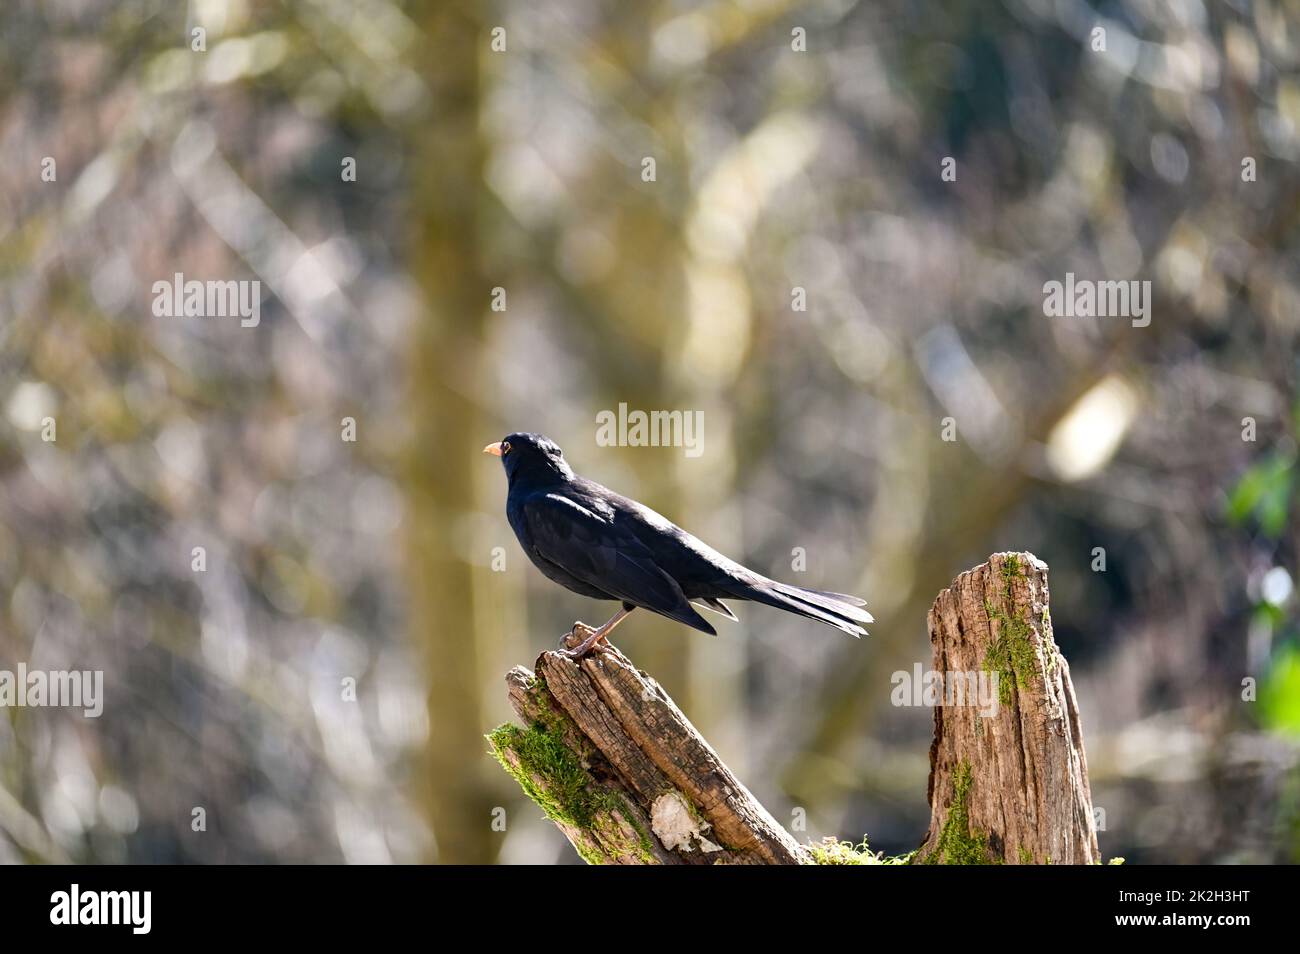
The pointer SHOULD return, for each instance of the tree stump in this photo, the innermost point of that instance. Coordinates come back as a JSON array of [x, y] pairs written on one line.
[[1011, 787], [612, 761], [622, 772]]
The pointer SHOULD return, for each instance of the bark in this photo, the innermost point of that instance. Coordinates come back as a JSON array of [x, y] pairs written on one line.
[[1011, 786]]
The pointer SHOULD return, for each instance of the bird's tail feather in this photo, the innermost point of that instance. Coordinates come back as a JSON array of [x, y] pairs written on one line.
[[834, 609], [717, 606]]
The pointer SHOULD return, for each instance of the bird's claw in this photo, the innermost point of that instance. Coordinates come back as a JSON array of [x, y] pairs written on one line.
[[581, 641], [575, 636]]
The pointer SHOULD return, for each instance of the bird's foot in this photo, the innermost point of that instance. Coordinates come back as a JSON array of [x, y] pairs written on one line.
[[576, 635], [581, 640]]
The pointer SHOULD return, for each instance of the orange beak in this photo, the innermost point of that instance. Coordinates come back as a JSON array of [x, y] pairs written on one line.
[[493, 449]]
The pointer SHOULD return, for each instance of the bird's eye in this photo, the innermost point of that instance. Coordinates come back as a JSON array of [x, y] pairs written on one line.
[[505, 448]]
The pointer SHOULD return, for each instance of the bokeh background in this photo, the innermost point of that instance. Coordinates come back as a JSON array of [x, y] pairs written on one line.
[[776, 169]]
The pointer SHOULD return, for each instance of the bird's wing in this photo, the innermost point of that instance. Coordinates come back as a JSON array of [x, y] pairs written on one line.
[[592, 548]]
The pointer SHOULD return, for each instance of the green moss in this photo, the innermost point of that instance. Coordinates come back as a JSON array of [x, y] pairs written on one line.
[[1026, 856], [957, 843], [1012, 654], [828, 851], [553, 776], [549, 772]]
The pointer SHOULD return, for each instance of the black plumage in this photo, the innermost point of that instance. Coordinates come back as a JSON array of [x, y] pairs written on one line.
[[603, 545]]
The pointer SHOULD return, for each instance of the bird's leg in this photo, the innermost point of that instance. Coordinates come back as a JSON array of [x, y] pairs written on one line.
[[597, 635]]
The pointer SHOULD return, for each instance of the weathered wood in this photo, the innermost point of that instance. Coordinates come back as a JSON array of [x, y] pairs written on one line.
[[645, 770], [560, 769], [1011, 786]]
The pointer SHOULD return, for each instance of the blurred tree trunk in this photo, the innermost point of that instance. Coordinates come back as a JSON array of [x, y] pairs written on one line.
[[447, 426]]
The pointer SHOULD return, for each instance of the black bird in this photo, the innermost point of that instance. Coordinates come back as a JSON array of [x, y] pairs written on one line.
[[600, 544]]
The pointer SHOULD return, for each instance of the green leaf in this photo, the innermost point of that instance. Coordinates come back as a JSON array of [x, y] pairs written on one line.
[[1279, 692], [1264, 492]]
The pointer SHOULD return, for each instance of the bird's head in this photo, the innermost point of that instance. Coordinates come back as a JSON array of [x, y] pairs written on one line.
[[532, 456]]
